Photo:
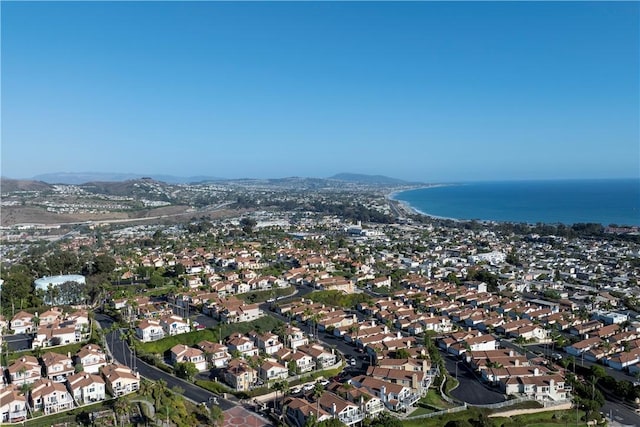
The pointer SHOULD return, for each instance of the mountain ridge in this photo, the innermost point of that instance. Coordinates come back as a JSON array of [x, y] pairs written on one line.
[[81, 178], [370, 179]]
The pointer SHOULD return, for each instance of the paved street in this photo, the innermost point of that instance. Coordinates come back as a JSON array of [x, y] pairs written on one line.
[[347, 350], [470, 389], [121, 353], [621, 414]]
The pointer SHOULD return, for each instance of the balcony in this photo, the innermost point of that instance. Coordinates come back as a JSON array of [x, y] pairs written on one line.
[[15, 416], [351, 419], [410, 399], [374, 409]]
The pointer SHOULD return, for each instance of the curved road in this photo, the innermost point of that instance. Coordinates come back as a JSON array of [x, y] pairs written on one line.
[[470, 389], [121, 352]]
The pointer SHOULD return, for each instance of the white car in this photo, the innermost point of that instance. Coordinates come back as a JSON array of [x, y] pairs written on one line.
[[324, 383], [308, 387]]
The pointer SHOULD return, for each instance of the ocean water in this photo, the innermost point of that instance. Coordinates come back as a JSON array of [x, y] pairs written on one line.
[[614, 201]]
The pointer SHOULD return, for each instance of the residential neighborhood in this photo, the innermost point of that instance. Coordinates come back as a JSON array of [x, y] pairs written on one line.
[[379, 313]]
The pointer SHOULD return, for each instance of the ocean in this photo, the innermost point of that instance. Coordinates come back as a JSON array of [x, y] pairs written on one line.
[[613, 201]]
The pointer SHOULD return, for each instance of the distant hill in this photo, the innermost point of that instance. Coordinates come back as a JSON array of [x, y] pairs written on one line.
[[78, 178], [369, 179], [146, 188], [8, 185]]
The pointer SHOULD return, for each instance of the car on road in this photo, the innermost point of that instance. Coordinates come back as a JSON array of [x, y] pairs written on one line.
[[271, 300]]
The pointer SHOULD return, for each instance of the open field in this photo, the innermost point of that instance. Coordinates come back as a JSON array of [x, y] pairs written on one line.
[[12, 215]]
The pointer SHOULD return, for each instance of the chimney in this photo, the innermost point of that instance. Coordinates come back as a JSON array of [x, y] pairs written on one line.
[[333, 409], [414, 382], [383, 393]]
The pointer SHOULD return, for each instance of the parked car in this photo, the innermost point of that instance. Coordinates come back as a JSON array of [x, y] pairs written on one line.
[[308, 387], [353, 362]]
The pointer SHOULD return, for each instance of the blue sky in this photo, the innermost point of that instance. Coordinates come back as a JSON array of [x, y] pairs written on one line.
[[417, 90]]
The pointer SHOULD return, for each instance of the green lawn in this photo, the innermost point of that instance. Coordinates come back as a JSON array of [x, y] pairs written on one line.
[[262, 296], [266, 323], [450, 385], [422, 410], [190, 338], [541, 419], [434, 400]]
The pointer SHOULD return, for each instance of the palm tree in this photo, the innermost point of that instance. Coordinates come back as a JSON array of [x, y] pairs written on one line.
[[278, 386], [318, 391], [285, 390], [146, 387], [121, 407]]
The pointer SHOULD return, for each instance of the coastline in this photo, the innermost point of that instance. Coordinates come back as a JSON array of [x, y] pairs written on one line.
[[392, 195], [408, 209], [608, 202]]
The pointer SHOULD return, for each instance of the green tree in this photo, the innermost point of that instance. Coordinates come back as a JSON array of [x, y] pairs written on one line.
[[248, 224], [121, 407], [104, 264], [384, 420], [216, 416], [278, 387], [597, 372], [156, 280], [186, 370], [458, 423], [331, 422], [402, 353], [17, 286]]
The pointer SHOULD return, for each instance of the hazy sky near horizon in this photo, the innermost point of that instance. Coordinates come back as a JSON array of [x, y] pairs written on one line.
[[415, 90]]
